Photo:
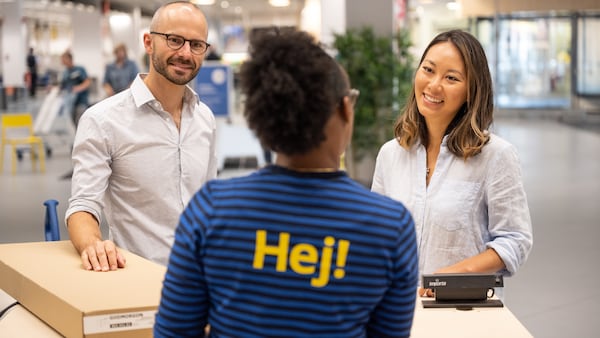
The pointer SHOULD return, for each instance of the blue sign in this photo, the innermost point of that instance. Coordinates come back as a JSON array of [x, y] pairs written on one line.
[[214, 85]]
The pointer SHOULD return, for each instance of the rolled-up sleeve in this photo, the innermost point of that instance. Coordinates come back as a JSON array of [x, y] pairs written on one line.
[[508, 211], [91, 168]]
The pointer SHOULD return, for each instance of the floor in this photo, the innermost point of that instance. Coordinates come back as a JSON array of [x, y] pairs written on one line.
[[554, 294]]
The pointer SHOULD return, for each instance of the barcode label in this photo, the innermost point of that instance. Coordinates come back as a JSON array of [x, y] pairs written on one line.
[[118, 322]]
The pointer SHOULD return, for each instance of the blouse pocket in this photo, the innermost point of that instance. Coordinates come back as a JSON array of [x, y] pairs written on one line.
[[455, 204]]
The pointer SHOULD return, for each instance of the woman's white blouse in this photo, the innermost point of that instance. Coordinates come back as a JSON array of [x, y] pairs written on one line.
[[468, 206]]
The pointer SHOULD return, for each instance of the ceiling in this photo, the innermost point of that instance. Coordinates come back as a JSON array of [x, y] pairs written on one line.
[[222, 10], [240, 12], [247, 13]]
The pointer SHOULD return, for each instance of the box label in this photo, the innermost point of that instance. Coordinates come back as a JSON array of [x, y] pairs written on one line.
[[118, 322]]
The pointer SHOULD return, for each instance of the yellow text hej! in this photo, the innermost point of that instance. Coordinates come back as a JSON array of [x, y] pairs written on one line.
[[302, 258]]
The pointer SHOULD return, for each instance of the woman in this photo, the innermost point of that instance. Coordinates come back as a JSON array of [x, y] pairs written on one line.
[[297, 248], [461, 183]]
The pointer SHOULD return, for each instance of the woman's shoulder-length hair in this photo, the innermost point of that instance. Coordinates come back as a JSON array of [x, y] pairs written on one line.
[[468, 131]]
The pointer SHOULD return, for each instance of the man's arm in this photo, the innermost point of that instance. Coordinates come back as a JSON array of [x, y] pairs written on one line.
[[82, 86], [108, 89], [95, 253]]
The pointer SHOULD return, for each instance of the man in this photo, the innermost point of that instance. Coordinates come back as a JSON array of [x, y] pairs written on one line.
[[140, 155], [119, 74], [32, 67], [75, 84]]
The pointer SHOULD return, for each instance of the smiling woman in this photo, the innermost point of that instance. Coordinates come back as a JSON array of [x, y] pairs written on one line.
[[440, 84], [461, 183]]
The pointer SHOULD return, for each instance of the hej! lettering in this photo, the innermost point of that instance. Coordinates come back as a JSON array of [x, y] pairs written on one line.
[[302, 258]]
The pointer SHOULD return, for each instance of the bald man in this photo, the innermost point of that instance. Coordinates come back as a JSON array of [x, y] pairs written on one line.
[[140, 155]]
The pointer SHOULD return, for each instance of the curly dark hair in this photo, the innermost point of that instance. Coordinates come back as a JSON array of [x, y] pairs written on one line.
[[292, 86]]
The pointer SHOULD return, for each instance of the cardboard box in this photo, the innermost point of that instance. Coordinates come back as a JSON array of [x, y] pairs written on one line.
[[47, 278]]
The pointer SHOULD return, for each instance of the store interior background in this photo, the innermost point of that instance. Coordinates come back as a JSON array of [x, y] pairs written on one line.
[[542, 55], [545, 60]]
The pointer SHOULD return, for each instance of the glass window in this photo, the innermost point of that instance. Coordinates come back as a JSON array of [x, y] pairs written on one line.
[[533, 63], [588, 56]]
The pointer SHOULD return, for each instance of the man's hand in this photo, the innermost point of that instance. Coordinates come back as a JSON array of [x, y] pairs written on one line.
[[96, 254], [102, 256]]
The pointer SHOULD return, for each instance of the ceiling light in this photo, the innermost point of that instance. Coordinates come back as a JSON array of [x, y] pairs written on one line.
[[453, 6], [224, 4], [203, 2], [279, 3]]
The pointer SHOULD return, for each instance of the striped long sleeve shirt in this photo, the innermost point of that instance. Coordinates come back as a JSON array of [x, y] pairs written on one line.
[[281, 253]]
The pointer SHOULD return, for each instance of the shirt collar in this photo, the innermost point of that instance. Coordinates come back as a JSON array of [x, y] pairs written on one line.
[[142, 94], [444, 142]]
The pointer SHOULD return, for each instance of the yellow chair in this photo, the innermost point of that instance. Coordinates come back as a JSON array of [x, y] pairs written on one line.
[[20, 126]]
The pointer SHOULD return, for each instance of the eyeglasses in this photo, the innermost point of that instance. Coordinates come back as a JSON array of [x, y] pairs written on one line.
[[175, 42], [353, 94]]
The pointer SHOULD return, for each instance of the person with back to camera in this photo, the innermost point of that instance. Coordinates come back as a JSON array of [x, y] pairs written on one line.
[[119, 74], [461, 183], [296, 248], [141, 154]]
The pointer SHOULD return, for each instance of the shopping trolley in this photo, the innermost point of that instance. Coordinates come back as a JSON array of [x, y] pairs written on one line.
[[53, 120]]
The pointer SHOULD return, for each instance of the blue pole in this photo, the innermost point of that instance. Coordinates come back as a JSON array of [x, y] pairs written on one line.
[[51, 223]]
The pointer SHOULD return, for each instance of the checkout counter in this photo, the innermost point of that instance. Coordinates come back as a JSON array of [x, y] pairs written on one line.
[[18, 321], [476, 323]]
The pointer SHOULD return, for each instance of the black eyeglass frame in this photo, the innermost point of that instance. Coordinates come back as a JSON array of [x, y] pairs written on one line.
[[169, 42]]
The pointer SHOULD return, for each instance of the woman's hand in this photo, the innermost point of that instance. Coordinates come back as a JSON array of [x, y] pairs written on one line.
[[426, 292]]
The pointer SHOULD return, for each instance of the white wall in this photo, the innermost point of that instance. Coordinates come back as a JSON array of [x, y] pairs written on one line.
[[13, 45], [333, 20], [87, 46]]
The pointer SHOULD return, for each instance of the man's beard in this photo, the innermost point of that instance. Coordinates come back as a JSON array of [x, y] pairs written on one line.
[[161, 68]]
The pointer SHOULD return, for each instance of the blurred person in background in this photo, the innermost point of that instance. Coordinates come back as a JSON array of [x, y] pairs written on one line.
[[119, 74], [33, 72], [75, 85]]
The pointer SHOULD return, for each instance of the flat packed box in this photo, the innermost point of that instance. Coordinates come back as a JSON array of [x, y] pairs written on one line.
[[48, 279]]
